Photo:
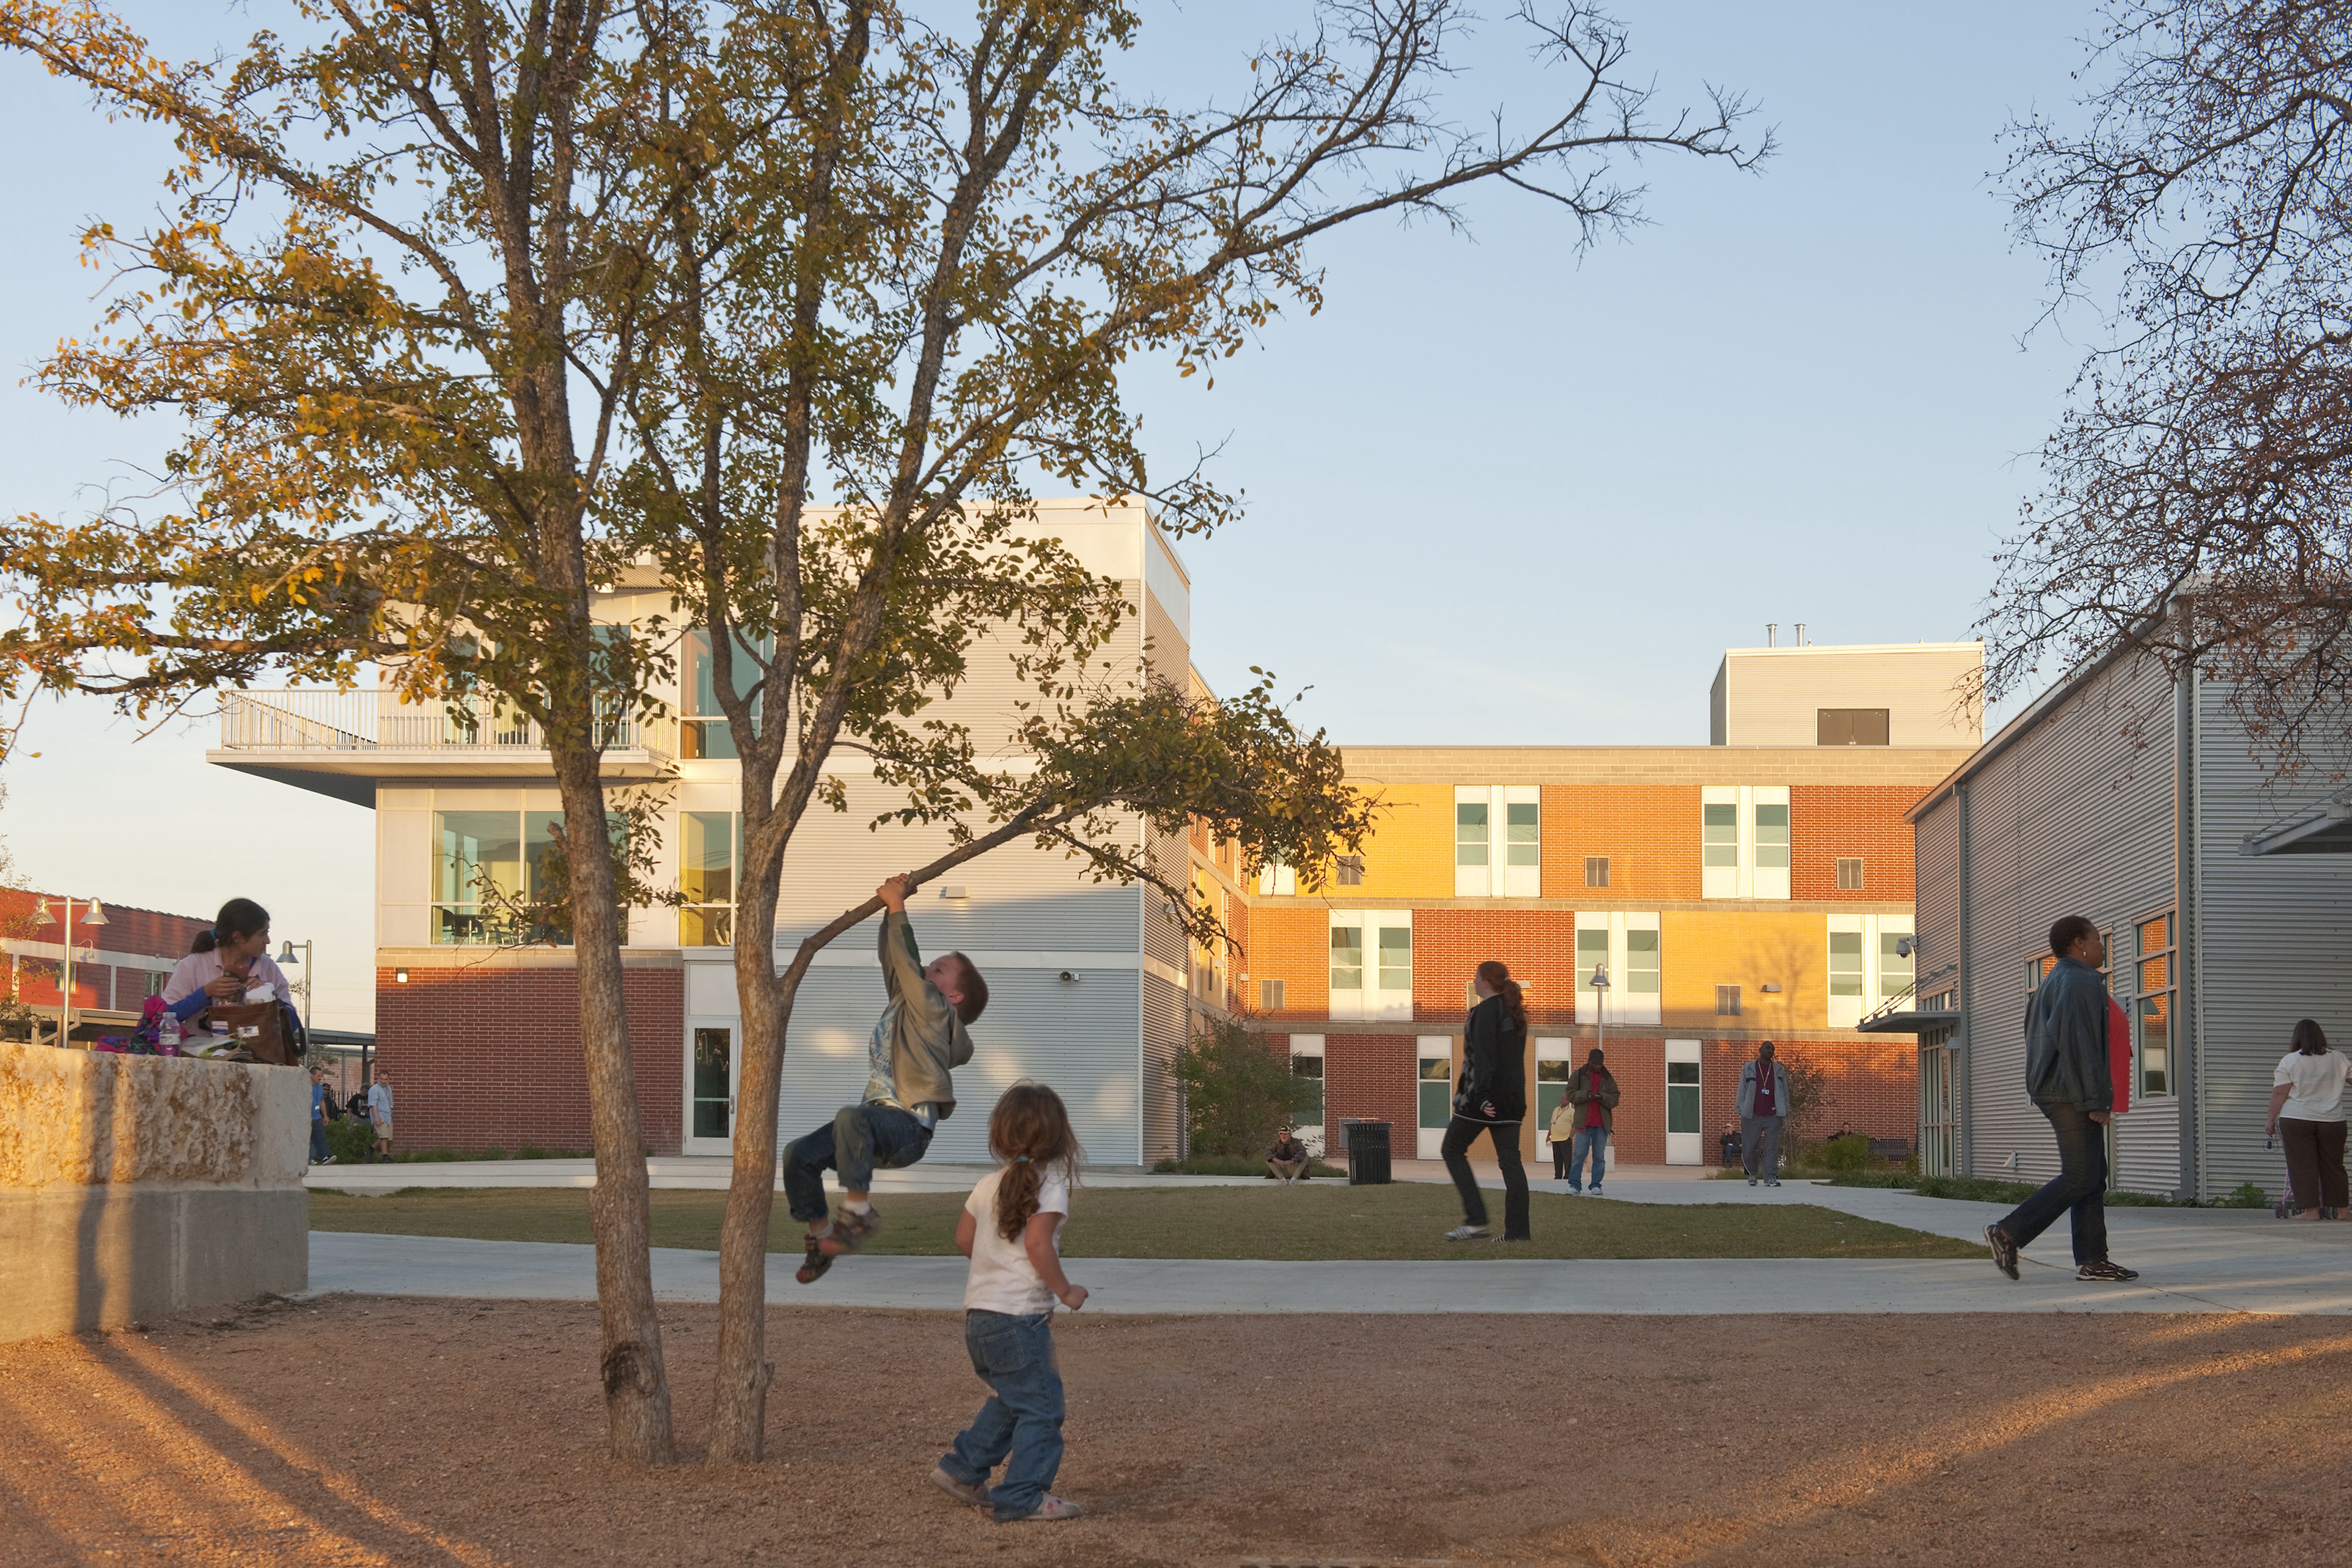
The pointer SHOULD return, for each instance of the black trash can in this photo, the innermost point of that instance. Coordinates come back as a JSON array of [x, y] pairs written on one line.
[[1367, 1151]]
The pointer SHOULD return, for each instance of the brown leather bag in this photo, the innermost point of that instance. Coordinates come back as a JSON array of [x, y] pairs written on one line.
[[255, 1027]]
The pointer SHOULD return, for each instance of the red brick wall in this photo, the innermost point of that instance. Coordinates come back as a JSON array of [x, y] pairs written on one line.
[[489, 1058], [1370, 1076], [1538, 945], [1827, 823], [1649, 831]]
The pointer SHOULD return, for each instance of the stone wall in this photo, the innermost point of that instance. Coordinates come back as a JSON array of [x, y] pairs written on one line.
[[134, 1185]]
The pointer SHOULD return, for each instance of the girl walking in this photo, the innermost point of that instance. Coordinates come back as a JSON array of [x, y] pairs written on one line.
[[1011, 1230], [1492, 1099]]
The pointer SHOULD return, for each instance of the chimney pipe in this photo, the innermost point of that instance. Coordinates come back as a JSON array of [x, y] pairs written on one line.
[[1771, 634], [1800, 633]]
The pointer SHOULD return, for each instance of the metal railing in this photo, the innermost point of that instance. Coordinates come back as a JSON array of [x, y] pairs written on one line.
[[377, 719], [1910, 993]]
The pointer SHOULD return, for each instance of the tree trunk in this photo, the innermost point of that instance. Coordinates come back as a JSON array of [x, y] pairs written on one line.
[[739, 1405], [636, 1386]]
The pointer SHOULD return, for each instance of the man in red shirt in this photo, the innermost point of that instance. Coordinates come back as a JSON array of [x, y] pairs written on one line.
[[1594, 1087]]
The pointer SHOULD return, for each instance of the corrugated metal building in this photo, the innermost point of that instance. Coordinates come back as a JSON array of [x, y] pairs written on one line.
[[2134, 799]]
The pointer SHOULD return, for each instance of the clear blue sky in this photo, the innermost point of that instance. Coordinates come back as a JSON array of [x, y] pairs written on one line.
[[1497, 494]]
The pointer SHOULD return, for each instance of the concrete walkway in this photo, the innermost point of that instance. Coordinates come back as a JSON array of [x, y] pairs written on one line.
[[2192, 1261]]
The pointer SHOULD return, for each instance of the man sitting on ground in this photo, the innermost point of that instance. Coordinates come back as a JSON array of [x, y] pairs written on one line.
[[1286, 1159]]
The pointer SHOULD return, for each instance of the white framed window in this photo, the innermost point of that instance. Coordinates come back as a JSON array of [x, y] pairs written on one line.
[[1275, 880], [1744, 840], [1596, 871], [1269, 995], [1849, 874], [1306, 1064], [709, 847], [1865, 970], [482, 860], [1628, 943], [1371, 963], [1497, 841]]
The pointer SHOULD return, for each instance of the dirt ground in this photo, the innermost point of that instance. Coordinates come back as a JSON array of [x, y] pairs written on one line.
[[434, 1432]]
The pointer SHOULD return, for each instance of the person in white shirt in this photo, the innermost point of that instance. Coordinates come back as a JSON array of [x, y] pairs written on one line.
[[2307, 1114], [379, 1105], [226, 964], [1011, 1230]]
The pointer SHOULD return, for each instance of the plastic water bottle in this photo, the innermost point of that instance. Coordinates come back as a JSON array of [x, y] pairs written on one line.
[[167, 1033]]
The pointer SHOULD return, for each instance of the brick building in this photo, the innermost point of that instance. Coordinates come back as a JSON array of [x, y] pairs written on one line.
[[118, 963], [1747, 888]]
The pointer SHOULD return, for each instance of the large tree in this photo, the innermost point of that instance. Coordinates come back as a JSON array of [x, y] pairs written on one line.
[[936, 283], [469, 310], [2194, 499]]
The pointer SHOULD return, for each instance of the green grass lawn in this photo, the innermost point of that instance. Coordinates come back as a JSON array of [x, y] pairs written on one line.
[[1318, 1221]]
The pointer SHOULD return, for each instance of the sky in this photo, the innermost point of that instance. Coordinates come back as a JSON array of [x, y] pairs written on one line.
[[1498, 492]]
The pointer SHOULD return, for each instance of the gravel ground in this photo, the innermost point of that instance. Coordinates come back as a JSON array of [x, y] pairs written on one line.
[[379, 1430]]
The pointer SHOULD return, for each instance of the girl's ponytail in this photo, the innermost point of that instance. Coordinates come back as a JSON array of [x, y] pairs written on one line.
[[1029, 1130], [1499, 980]]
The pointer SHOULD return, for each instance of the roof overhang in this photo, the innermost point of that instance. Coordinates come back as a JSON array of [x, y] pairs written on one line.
[[2323, 829], [1909, 1023]]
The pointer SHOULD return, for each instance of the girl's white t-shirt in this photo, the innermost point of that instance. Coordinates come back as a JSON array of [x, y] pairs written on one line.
[[2317, 1095], [1002, 1280]]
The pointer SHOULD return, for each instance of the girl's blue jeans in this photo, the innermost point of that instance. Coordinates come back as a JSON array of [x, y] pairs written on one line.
[[1020, 1424]]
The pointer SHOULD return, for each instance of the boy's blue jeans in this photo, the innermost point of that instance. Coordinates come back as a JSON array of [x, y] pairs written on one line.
[[1593, 1144], [1022, 1418], [2080, 1185], [859, 1139], [319, 1149]]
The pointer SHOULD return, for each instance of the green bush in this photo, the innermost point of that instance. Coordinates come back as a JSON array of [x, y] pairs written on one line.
[[2245, 1195], [1848, 1152], [349, 1140], [1237, 1093]]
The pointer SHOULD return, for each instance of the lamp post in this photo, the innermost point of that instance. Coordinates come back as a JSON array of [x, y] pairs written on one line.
[[93, 913], [1601, 1005], [285, 959]]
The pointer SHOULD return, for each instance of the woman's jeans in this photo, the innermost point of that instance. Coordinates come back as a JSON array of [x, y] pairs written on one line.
[[1591, 1143], [1460, 1134], [857, 1140], [1022, 1418], [2315, 1162], [2080, 1185], [319, 1150]]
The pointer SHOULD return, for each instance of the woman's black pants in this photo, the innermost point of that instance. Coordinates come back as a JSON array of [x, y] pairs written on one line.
[[1460, 1134], [2315, 1162]]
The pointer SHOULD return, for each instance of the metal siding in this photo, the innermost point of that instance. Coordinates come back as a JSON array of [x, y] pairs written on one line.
[[1772, 695], [1165, 1017], [1164, 936], [2075, 818], [2272, 943], [1079, 1037]]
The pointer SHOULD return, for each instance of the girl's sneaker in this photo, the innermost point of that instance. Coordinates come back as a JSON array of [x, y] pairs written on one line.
[[1469, 1233], [963, 1491], [1050, 1507]]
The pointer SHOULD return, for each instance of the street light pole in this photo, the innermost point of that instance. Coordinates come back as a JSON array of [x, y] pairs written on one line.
[[1600, 1004], [285, 960], [93, 913]]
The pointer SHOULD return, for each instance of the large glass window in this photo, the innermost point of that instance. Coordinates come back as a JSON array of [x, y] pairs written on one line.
[[476, 857], [1771, 837], [1721, 835], [1845, 963], [703, 730], [1347, 957], [714, 1086], [1308, 1070], [1436, 1091], [1470, 834], [1641, 963], [1396, 958], [707, 854], [1895, 969], [2155, 955], [1524, 846]]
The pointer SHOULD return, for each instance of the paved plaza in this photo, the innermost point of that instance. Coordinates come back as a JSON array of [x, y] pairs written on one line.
[[2191, 1260]]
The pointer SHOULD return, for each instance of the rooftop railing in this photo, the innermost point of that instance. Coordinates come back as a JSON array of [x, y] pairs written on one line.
[[378, 720]]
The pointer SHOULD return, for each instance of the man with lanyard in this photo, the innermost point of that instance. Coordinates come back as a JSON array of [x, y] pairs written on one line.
[[1763, 1105]]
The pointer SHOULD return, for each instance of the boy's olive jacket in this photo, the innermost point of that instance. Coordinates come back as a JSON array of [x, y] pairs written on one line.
[[928, 1041]]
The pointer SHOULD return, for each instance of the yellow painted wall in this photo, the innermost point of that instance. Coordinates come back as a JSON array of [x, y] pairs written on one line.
[[1410, 854], [1746, 947]]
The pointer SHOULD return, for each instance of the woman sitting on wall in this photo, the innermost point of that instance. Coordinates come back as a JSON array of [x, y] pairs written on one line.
[[225, 964]]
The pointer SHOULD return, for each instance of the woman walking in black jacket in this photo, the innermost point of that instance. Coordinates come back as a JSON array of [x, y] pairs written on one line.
[[1492, 1099]]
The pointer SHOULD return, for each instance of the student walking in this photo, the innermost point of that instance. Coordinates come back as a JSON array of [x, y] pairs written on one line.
[[917, 1042], [1491, 1098], [379, 1106], [322, 1104], [1763, 1105], [2070, 1080], [1011, 1230], [2307, 1114], [1593, 1102]]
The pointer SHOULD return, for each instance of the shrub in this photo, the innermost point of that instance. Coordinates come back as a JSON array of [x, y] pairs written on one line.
[[2245, 1195], [1237, 1093], [1847, 1151], [349, 1140]]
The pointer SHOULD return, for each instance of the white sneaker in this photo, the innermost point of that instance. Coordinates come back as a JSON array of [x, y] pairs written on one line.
[[1469, 1233]]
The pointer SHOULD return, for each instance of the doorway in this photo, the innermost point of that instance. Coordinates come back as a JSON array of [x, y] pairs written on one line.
[[1434, 1087], [1554, 1065], [1683, 1120], [712, 1075], [1939, 1117]]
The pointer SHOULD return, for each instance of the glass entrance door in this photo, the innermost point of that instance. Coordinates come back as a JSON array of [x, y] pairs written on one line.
[[711, 1073], [1435, 1088], [1683, 1136], [1938, 1123]]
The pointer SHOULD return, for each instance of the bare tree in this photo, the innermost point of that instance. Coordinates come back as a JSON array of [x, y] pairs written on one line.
[[2195, 495]]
